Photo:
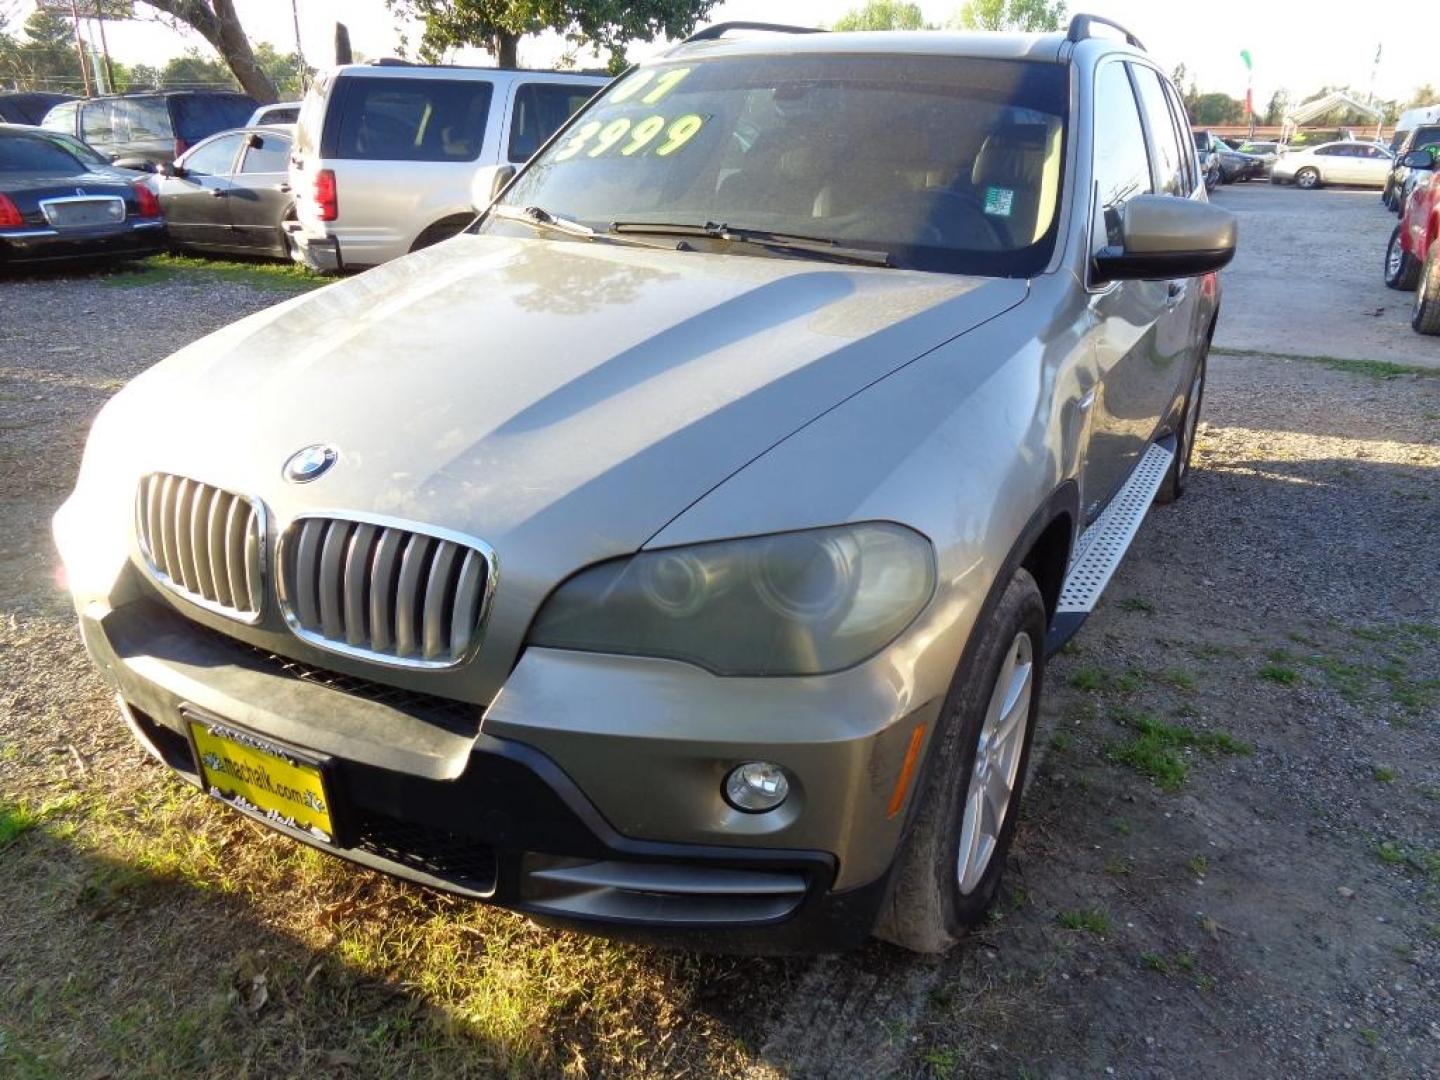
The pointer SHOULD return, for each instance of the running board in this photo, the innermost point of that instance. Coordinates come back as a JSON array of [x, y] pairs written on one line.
[[1101, 547]]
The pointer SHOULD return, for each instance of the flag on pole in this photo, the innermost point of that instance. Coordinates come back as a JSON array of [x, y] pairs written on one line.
[[1249, 83]]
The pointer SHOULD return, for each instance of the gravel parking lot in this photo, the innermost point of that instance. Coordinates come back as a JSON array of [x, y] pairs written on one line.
[[1229, 862]]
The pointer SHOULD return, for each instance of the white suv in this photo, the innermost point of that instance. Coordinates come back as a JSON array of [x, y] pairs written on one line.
[[387, 155]]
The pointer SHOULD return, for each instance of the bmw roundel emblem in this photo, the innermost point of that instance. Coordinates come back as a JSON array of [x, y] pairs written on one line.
[[310, 463]]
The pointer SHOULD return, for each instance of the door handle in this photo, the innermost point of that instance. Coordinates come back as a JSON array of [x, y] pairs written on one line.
[[217, 193], [1174, 293], [284, 189]]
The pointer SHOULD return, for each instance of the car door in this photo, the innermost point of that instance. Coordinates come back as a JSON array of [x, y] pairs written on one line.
[[260, 195], [1142, 328], [1372, 166], [197, 213]]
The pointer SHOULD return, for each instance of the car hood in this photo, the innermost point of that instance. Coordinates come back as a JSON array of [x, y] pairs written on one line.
[[561, 401]]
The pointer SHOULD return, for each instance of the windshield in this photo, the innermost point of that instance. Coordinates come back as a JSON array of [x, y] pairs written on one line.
[[943, 163], [32, 154]]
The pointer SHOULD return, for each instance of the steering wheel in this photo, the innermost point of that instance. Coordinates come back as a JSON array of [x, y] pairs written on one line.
[[953, 218]]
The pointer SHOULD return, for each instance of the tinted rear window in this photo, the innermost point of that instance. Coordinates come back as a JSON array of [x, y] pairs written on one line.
[[199, 115], [407, 119], [29, 154]]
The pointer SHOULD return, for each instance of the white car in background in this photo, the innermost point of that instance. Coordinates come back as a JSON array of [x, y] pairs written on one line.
[[393, 157], [1363, 164], [282, 112]]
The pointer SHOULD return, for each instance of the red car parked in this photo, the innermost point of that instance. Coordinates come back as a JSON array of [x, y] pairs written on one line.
[[1412, 259]]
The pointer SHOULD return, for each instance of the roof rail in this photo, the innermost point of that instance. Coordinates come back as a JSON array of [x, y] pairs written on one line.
[[719, 30], [1081, 25]]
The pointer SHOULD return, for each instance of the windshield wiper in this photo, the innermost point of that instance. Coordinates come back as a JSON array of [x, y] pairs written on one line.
[[811, 245], [545, 221]]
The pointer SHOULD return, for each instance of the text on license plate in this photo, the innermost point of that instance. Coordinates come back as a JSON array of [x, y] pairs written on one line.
[[107, 211], [259, 777]]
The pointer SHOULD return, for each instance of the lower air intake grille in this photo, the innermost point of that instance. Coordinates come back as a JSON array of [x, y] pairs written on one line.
[[399, 594], [203, 543], [448, 856]]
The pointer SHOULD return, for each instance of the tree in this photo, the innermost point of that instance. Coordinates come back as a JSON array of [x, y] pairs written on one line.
[[217, 23], [1027, 15], [1216, 108], [1423, 95], [1278, 107], [883, 15], [196, 71], [498, 25]]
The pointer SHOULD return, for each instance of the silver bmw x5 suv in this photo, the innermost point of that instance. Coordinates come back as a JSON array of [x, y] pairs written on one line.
[[677, 550]]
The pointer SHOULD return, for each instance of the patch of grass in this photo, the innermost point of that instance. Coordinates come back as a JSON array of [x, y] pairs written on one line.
[[1061, 741], [1302, 639], [1430, 792], [943, 1061], [1370, 1035], [1136, 603], [1198, 865], [274, 276], [1350, 681], [1119, 866], [1122, 826], [1383, 774], [1185, 961], [1179, 678], [1281, 674], [1155, 962], [1391, 853], [1093, 678], [1381, 370], [1423, 862], [1089, 920], [1279, 656], [1154, 751], [16, 819]]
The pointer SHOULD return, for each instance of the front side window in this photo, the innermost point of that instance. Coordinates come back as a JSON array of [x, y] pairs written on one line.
[[1169, 164], [938, 163], [214, 158], [409, 119], [1122, 167], [540, 110], [271, 155]]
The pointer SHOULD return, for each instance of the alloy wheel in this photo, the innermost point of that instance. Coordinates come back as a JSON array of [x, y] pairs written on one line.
[[997, 763]]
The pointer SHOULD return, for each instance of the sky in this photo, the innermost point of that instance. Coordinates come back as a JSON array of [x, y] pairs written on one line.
[[1299, 45]]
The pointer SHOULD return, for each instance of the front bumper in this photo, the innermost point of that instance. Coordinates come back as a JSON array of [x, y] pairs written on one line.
[[45, 244], [511, 827]]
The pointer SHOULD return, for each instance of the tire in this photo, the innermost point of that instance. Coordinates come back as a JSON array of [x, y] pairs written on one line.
[[1178, 476], [1307, 178], [1402, 270], [1426, 317], [928, 909], [441, 230]]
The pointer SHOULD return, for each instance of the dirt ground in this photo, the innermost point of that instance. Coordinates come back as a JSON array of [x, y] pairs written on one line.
[[1228, 863], [1307, 278]]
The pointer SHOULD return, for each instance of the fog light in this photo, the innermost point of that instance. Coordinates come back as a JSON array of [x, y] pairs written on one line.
[[756, 786]]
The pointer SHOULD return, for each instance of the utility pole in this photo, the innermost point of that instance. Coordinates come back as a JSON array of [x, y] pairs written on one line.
[[299, 48], [80, 47], [105, 46]]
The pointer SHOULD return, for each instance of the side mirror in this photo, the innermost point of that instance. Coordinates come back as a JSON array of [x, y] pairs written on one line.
[[1168, 237], [503, 176], [1418, 159]]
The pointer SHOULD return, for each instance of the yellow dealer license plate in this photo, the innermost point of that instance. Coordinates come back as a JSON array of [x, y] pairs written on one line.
[[277, 784]]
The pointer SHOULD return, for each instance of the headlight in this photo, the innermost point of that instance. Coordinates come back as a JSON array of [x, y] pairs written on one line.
[[800, 603]]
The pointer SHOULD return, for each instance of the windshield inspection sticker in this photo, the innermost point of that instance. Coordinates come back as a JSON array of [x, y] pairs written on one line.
[[999, 200]]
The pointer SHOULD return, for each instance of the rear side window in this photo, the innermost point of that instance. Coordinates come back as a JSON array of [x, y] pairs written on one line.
[[197, 116], [1122, 168], [97, 123], [1169, 164], [271, 156], [141, 120], [408, 119], [1426, 136], [540, 109]]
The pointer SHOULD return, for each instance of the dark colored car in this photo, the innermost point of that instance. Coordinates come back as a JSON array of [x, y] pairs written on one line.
[[134, 130], [1234, 166], [230, 193], [1396, 190], [28, 106], [53, 207]]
